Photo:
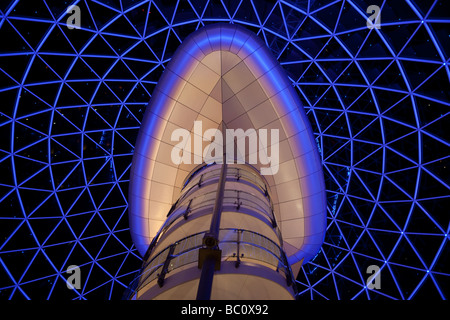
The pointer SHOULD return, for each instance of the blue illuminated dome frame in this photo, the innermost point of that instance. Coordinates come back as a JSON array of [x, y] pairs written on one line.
[[72, 102]]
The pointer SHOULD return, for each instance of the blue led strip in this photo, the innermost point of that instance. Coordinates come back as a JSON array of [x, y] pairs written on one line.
[[72, 101]]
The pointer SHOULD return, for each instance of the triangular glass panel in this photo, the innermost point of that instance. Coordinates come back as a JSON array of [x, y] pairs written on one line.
[[386, 241], [62, 233], [392, 78], [373, 47], [354, 40], [68, 97], [407, 278], [436, 86], [327, 16], [421, 46], [333, 50], [99, 46], [121, 26], [350, 19], [67, 198], [43, 228], [40, 72], [102, 14], [71, 143], [155, 20], [138, 16], [421, 222], [94, 227], [370, 180], [104, 95], [351, 75], [19, 259], [398, 212]]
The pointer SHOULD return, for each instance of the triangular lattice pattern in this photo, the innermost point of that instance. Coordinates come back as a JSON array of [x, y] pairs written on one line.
[[72, 102]]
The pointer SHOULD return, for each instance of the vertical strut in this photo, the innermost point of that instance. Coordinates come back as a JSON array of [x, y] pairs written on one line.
[[210, 254]]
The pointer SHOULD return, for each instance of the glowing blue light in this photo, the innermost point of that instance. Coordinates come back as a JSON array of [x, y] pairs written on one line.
[[355, 90]]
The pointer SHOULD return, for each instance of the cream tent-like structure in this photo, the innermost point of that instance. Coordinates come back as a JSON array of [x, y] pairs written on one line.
[[224, 76]]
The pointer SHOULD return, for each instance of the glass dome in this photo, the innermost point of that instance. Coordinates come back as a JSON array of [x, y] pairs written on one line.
[[73, 98]]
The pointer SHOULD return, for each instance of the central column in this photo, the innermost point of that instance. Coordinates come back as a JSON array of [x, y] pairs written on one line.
[[210, 256], [220, 241]]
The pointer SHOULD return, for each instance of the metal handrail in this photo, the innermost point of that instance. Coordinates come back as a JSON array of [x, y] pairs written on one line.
[[194, 205], [192, 243]]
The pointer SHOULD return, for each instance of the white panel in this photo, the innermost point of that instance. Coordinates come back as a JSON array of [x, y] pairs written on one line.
[[206, 125], [239, 77], [291, 127], [276, 124], [165, 84], [212, 109], [251, 96], [291, 209], [227, 93], [154, 226], [212, 61], [294, 242], [285, 151], [187, 68], [150, 147], [144, 187], [183, 116], [312, 227], [140, 209], [158, 210], [140, 225], [242, 122], [287, 172], [255, 59], [288, 191], [305, 167], [204, 78], [284, 98], [262, 114], [161, 192], [216, 92], [159, 128], [193, 97], [229, 61], [168, 130], [292, 228], [267, 82], [187, 167], [310, 185], [176, 194], [181, 176], [164, 173], [165, 154], [232, 109]]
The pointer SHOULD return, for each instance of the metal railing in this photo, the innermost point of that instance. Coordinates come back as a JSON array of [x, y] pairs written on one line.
[[234, 198], [237, 244], [233, 174]]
